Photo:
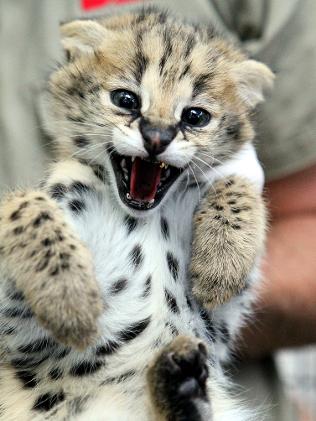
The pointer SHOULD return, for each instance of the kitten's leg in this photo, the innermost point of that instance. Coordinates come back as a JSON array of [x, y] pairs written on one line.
[[229, 233], [49, 266], [177, 382]]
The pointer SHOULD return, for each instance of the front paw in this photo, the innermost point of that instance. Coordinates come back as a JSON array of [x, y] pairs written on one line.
[[229, 232], [50, 266]]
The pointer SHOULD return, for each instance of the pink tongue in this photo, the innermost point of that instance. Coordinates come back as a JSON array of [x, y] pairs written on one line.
[[145, 177]]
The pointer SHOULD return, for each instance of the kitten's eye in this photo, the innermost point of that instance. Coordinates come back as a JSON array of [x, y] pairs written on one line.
[[125, 99], [196, 117]]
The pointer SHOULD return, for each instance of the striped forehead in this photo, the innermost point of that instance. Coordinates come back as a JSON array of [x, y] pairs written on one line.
[[170, 67]]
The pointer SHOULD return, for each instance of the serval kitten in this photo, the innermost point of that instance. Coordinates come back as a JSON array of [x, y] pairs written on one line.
[[99, 316]]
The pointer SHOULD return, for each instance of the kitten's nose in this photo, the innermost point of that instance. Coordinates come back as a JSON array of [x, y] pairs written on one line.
[[156, 137]]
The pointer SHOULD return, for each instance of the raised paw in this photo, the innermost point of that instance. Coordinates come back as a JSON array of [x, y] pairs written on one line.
[[178, 378], [50, 266], [228, 236]]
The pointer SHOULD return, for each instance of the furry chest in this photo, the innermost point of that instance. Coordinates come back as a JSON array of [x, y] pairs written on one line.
[[141, 266]]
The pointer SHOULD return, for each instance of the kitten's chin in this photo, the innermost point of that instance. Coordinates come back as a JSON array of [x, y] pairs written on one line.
[[142, 184]]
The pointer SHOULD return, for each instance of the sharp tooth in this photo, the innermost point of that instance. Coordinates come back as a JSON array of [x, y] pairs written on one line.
[[123, 163], [126, 175], [167, 173], [133, 158], [150, 203], [128, 196], [162, 165]]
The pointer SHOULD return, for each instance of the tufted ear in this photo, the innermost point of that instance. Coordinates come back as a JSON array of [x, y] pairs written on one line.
[[81, 36], [253, 79]]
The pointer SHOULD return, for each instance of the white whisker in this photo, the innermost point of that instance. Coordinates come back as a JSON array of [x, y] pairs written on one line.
[[198, 186]]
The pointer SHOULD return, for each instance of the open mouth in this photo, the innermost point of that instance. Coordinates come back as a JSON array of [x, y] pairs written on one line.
[[142, 183]]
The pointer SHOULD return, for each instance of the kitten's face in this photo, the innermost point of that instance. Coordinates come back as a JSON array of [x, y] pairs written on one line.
[[153, 100]]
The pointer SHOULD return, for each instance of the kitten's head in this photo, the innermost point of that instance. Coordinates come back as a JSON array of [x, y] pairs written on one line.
[[151, 98]]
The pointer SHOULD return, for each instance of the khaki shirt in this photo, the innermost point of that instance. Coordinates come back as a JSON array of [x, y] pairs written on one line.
[[282, 33]]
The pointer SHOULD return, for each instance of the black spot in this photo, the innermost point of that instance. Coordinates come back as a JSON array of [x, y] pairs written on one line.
[[79, 187], [120, 378], [56, 373], [39, 345], [118, 286], [42, 265], [58, 191], [189, 302], [8, 331], [62, 354], [60, 236], [75, 119], [229, 182], [232, 202], [132, 331], [164, 227], [75, 89], [234, 194], [128, 334], [17, 214], [55, 271], [171, 301], [47, 242], [218, 208], [193, 185], [208, 324], [173, 329], [28, 363], [235, 210], [107, 349], [185, 71], [136, 256], [147, 287], [18, 312], [27, 377], [47, 401], [200, 84], [85, 368], [131, 223], [76, 206], [236, 227], [173, 265], [189, 45], [99, 172], [42, 217], [18, 230], [17, 295]]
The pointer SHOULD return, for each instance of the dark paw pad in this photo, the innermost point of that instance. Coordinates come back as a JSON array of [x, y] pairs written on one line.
[[192, 371], [183, 368]]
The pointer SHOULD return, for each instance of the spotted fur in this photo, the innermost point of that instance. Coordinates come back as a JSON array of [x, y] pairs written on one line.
[[97, 316]]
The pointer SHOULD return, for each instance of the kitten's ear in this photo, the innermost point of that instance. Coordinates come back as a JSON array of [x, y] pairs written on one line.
[[253, 79], [81, 36]]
